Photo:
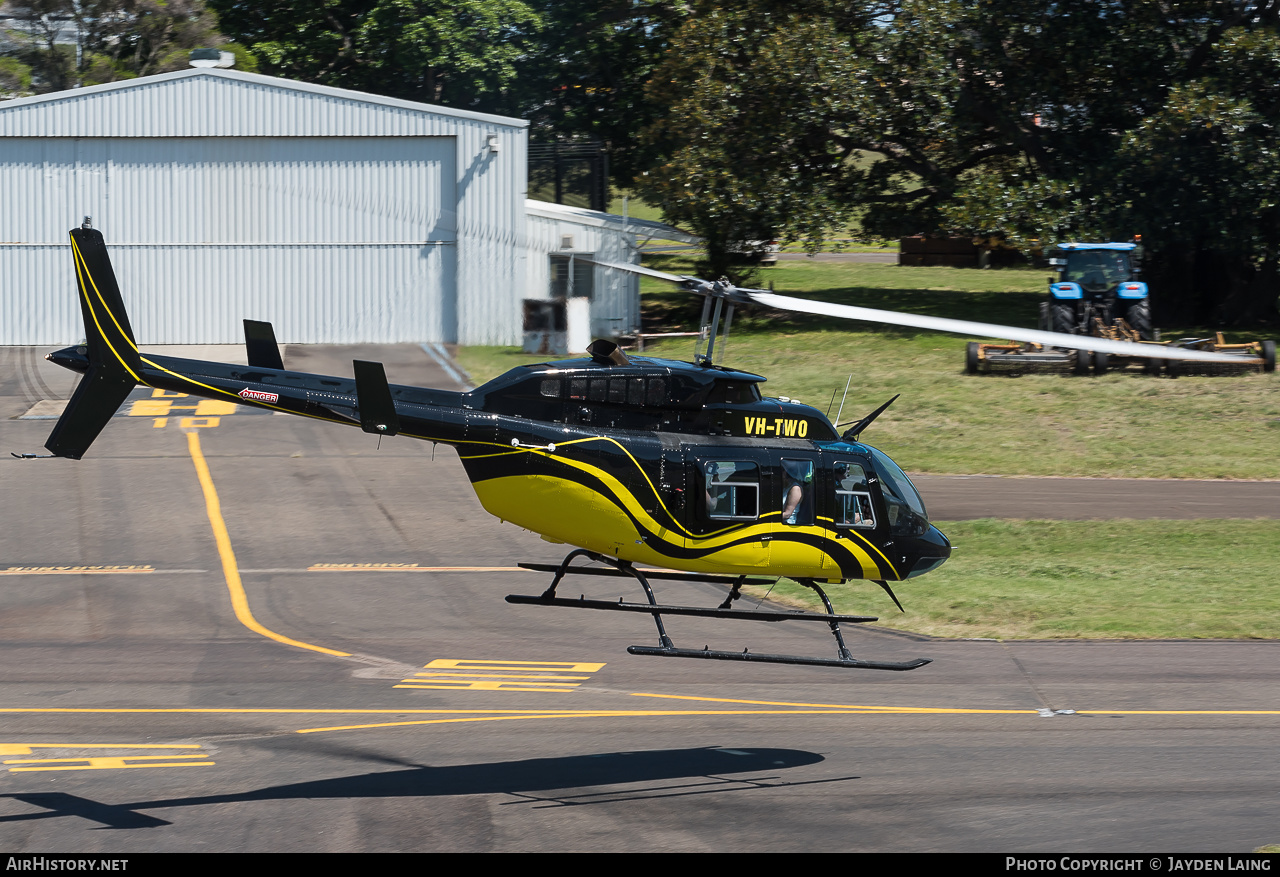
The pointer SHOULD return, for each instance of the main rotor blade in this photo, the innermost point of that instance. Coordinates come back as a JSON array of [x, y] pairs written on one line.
[[637, 269], [986, 330], [943, 324]]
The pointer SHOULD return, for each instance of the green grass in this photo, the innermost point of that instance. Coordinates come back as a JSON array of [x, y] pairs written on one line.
[[637, 208], [1084, 579], [1117, 425]]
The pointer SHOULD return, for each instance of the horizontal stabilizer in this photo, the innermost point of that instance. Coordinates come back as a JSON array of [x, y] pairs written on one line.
[[373, 395], [260, 343], [100, 394]]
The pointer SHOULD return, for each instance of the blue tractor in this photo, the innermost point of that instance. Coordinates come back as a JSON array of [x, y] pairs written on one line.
[[1098, 292]]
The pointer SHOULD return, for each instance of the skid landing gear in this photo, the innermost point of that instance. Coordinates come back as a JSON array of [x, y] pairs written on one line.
[[667, 648]]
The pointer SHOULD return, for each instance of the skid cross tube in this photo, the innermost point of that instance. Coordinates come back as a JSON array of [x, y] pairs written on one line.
[[668, 649]]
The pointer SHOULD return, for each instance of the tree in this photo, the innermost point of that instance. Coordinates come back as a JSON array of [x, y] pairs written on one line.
[[584, 77], [1035, 120], [576, 69], [454, 52], [751, 95], [1139, 118], [85, 42]]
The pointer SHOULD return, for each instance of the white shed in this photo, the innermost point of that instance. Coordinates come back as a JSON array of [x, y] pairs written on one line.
[[336, 215], [561, 240]]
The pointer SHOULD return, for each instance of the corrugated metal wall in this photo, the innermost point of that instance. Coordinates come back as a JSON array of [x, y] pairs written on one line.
[[615, 304], [223, 195]]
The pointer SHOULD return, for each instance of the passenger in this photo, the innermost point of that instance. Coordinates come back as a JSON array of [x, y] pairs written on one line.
[[794, 508]]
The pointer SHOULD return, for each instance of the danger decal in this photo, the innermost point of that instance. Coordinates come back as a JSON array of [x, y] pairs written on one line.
[[258, 395]]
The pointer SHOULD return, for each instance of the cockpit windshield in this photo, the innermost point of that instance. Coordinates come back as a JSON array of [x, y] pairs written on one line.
[[895, 482]]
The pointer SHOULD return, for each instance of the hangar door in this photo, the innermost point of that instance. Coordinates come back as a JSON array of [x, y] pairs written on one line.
[[332, 239]]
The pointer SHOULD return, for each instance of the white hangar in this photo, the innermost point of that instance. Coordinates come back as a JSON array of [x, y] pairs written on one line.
[[338, 216]]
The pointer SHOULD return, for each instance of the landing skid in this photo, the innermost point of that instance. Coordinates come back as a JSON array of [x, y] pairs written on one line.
[[657, 610]]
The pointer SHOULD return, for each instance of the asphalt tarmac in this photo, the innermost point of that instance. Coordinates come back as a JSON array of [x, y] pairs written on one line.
[[233, 631]]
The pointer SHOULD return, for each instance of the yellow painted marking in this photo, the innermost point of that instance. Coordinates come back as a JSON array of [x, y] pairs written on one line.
[[198, 422], [839, 709], [477, 715], [850, 707], [25, 748], [460, 674], [447, 675], [596, 714], [405, 567], [149, 408], [95, 762], [239, 601], [75, 570], [165, 407], [249, 711], [160, 422], [468, 664], [167, 394], [488, 685], [549, 715]]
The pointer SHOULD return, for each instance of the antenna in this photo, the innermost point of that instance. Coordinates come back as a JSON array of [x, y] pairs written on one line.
[[842, 398]]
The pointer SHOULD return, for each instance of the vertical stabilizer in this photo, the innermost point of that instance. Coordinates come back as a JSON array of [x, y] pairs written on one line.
[[114, 362], [106, 325]]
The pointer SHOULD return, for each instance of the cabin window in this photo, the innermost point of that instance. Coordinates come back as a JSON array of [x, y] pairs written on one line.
[[853, 496], [797, 495], [599, 389], [733, 393], [657, 392], [551, 388], [578, 389], [635, 392], [618, 390], [732, 489]]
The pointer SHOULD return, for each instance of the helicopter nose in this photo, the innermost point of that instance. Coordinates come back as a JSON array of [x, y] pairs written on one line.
[[931, 551]]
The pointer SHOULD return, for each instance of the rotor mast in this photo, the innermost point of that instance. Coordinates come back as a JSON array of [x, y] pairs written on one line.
[[717, 318]]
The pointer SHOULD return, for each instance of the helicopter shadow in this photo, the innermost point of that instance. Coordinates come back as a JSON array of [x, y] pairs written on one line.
[[661, 773]]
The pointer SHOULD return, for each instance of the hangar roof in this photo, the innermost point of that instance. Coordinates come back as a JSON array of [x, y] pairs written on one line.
[[201, 102], [583, 216]]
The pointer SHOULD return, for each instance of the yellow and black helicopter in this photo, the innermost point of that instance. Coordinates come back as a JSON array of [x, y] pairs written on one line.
[[632, 460]]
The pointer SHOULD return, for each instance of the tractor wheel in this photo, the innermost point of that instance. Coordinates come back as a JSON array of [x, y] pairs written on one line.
[[1101, 362], [1139, 317], [971, 358], [1082, 362], [1062, 318], [1268, 356]]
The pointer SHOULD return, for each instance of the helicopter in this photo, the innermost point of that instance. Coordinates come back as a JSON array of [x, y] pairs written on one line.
[[629, 460]]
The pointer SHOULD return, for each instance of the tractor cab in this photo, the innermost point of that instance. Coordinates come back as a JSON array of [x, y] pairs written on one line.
[[1097, 282]]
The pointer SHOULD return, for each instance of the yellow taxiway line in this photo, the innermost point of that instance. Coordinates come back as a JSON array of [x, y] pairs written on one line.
[[239, 601], [842, 707]]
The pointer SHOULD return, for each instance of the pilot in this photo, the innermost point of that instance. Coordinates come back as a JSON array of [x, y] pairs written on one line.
[[856, 513], [712, 471]]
